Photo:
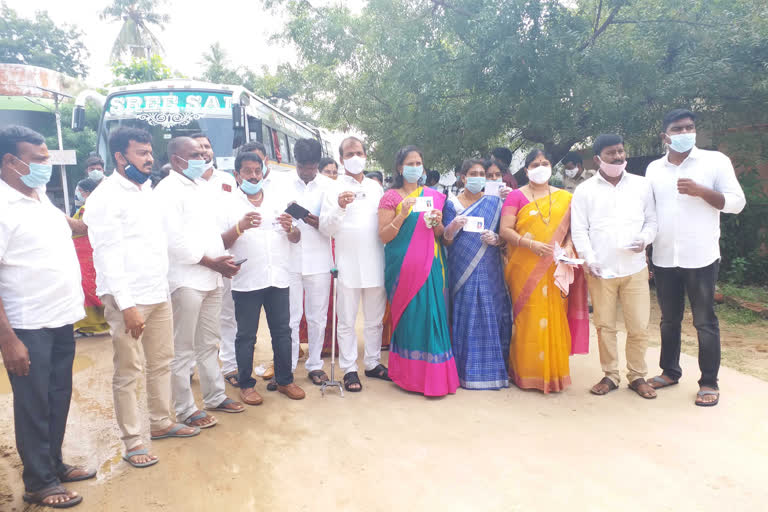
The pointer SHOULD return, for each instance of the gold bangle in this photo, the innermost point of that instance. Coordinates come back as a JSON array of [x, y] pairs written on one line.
[[393, 225], [237, 229]]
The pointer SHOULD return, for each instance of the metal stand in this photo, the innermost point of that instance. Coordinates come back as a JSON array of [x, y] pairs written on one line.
[[333, 382]]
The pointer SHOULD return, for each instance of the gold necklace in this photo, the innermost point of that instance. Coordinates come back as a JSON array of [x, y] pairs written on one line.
[[538, 209]]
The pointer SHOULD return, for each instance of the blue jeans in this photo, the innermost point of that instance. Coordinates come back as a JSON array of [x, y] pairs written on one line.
[[699, 283], [41, 404]]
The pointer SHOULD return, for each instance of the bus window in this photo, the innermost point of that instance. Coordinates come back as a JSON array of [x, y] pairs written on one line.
[[291, 144], [283, 142], [267, 141], [255, 129]]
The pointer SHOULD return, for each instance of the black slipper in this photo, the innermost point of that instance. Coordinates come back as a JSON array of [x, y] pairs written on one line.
[[350, 379], [380, 372]]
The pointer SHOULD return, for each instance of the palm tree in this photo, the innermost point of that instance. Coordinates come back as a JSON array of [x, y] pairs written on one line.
[[135, 37]]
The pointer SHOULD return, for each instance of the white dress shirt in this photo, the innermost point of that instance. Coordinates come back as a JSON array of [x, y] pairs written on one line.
[[267, 247], [312, 255], [130, 252], [39, 272], [359, 251], [689, 227], [605, 219], [192, 230], [222, 181]]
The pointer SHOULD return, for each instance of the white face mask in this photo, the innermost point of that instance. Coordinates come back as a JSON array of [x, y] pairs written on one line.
[[355, 164], [540, 175], [571, 173]]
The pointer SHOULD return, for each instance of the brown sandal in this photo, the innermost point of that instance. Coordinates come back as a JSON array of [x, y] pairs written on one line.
[[641, 387], [608, 382]]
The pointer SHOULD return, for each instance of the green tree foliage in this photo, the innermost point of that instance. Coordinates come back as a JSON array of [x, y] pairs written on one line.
[[456, 76], [41, 42], [141, 70], [136, 38]]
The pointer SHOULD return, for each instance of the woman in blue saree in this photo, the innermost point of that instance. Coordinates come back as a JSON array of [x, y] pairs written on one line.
[[481, 313]]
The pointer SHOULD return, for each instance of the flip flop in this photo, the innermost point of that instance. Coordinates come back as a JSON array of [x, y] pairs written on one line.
[[133, 453], [380, 372], [36, 498], [662, 383], [707, 392], [174, 432], [63, 478], [200, 415], [231, 379], [221, 407]]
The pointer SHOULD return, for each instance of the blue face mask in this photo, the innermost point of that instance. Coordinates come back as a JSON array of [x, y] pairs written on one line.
[[475, 183], [412, 174], [96, 174], [682, 142], [195, 168], [134, 174], [39, 174], [251, 189]]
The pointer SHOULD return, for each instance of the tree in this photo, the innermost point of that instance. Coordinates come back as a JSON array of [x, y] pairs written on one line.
[[456, 76], [41, 42], [141, 70], [135, 37]]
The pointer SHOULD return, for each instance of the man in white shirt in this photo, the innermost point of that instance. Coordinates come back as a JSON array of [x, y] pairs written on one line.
[[130, 256], [222, 185], [258, 232], [311, 258], [691, 187], [40, 299], [197, 263], [574, 173], [350, 216], [613, 220]]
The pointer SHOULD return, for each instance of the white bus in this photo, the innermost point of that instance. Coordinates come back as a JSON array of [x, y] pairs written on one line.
[[229, 115]]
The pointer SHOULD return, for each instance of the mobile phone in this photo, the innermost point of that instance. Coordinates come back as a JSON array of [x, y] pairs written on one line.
[[296, 211], [240, 262]]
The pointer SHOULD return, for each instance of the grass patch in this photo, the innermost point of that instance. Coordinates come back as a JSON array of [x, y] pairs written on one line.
[[738, 316], [757, 294]]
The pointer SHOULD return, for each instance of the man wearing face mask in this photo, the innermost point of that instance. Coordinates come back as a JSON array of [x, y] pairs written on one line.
[[691, 186], [94, 168], [613, 220], [40, 300], [198, 261], [311, 258], [574, 173], [350, 215], [256, 229]]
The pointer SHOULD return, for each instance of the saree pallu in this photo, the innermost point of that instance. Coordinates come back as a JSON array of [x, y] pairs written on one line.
[[541, 338], [94, 321], [481, 315], [420, 357]]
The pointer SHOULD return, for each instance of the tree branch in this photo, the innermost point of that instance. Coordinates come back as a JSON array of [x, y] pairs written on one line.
[[683, 22], [437, 4], [597, 18], [608, 21]]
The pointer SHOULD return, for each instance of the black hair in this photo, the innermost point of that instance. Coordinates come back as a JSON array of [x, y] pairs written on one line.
[[341, 146], [467, 164], [87, 185], [400, 159], [533, 154], [503, 154], [250, 147], [488, 162], [433, 176], [327, 161], [375, 174], [121, 138], [307, 151], [200, 135], [676, 115], [247, 157], [574, 158], [94, 160], [606, 140], [10, 136]]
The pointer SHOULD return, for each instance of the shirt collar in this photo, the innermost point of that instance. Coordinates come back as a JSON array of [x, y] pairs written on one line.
[[693, 155], [126, 183], [14, 195], [184, 179], [601, 178]]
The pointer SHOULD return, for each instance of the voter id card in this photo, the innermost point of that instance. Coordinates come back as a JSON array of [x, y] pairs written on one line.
[[475, 225], [359, 195], [493, 188], [423, 204]]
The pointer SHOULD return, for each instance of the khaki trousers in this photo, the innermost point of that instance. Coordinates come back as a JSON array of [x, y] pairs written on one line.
[[157, 342], [634, 295]]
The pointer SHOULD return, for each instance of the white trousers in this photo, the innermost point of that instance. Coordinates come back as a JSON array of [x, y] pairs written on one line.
[[374, 307], [309, 296], [196, 339], [228, 330]]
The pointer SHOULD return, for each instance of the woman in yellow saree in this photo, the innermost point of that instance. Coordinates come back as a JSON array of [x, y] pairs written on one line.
[[548, 326]]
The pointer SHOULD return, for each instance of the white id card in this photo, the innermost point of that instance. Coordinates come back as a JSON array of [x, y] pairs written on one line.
[[423, 204], [475, 225], [359, 195], [492, 188]]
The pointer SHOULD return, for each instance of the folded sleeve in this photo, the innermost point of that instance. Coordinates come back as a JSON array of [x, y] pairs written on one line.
[[727, 184]]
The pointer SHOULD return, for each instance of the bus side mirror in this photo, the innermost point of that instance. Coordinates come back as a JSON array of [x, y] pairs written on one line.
[[78, 118]]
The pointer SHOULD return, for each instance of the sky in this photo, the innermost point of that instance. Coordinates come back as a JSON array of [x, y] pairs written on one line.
[[242, 27]]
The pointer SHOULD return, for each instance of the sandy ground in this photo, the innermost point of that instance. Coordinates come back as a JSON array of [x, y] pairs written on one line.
[[386, 449]]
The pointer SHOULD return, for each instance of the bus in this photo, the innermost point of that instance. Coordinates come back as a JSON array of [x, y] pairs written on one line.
[[229, 115]]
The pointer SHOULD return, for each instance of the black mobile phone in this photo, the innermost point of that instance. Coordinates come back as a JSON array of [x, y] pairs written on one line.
[[296, 211], [240, 262]]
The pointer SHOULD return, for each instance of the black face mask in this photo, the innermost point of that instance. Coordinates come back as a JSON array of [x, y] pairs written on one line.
[[134, 174]]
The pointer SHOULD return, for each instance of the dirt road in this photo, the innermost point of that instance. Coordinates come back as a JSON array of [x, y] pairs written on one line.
[[385, 449]]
